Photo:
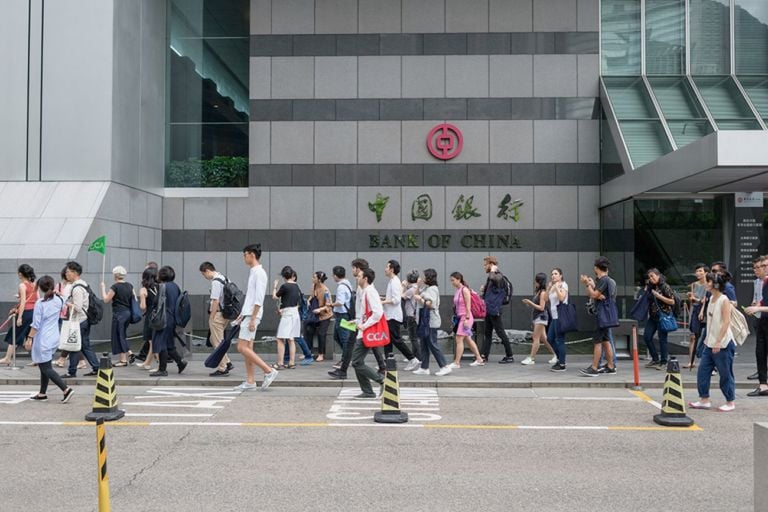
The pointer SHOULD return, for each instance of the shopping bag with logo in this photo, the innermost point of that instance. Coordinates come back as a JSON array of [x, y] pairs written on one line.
[[69, 336], [376, 335]]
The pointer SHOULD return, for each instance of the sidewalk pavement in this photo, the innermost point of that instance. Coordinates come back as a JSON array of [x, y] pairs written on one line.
[[493, 375]]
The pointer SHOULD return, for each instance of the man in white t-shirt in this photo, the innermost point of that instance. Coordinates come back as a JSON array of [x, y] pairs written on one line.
[[366, 294], [250, 317], [216, 321], [393, 312]]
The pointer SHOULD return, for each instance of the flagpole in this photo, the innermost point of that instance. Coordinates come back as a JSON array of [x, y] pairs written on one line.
[[103, 266]]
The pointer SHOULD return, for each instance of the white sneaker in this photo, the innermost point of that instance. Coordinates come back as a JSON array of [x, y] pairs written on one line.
[[245, 386], [452, 366], [421, 371], [268, 378], [527, 361], [412, 365], [445, 370], [406, 360], [477, 363], [553, 360]]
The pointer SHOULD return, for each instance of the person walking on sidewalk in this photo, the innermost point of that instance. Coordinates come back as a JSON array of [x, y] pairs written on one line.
[[342, 306], [164, 340], [661, 299], [761, 273], [358, 265], [289, 328], [43, 338], [462, 322], [411, 288], [369, 312], [558, 294], [761, 336], [495, 292], [250, 317], [602, 289], [719, 349], [321, 313], [429, 323], [27, 295], [147, 300], [393, 312], [539, 305], [119, 295], [78, 301], [216, 321], [696, 296]]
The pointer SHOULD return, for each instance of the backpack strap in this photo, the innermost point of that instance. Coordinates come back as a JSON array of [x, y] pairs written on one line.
[[350, 296]]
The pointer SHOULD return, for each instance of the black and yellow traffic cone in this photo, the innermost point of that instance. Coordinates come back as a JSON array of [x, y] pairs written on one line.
[[390, 398], [673, 405], [105, 396]]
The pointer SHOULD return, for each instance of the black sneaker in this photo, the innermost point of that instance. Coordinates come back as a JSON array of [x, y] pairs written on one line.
[[662, 366], [182, 366], [158, 373], [337, 374], [507, 360], [68, 376], [219, 373], [589, 372], [230, 366], [363, 396], [92, 373], [606, 370], [40, 398], [557, 367], [131, 358], [67, 395]]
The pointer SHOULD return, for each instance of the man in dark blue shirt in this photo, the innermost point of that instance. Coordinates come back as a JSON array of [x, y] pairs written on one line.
[[761, 336]]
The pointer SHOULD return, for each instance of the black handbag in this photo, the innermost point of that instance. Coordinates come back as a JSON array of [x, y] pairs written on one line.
[[566, 318]]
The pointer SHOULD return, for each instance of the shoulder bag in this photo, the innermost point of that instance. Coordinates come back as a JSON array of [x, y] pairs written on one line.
[[376, 335], [69, 336], [667, 321]]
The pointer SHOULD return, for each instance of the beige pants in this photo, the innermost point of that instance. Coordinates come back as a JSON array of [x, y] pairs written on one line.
[[217, 326]]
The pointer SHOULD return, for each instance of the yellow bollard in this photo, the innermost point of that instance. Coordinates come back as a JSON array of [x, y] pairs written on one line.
[[101, 446]]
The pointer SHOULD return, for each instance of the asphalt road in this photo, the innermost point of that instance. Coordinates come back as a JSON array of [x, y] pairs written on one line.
[[291, 449]]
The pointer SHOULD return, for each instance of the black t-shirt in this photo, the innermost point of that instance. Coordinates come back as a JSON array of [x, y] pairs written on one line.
[[289, 294], [123, 295], [607, 287]]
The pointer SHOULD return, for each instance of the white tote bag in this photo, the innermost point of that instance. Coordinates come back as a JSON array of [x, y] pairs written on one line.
[[69, 337]]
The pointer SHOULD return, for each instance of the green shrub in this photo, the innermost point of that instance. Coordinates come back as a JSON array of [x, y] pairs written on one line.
[[219, 171]]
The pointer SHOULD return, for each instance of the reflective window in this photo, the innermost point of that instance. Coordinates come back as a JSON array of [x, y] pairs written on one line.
[[710, 29], [685, 117], [726, 104], [751, 34], [664, 37], [208, 93], [620, 37]]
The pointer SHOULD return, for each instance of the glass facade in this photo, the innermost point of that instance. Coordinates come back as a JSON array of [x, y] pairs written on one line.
[[208, 48], [620, 37], [710, 37], [664, 37]]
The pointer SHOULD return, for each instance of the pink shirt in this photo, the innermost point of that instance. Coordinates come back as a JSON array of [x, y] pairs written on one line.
[[459, 305]]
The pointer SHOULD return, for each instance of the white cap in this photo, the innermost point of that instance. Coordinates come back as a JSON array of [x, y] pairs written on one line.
[[119, 271]]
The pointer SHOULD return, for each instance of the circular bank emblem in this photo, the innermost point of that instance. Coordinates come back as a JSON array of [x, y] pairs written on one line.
[[445, 141]]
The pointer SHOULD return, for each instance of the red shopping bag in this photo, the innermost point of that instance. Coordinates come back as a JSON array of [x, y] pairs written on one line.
[[376, 335]]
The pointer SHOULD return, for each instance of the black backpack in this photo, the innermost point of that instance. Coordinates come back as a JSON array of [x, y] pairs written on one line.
[[95, 311], [507, 287], [157, 315], [232, 299], [183, 310], [352, 301]]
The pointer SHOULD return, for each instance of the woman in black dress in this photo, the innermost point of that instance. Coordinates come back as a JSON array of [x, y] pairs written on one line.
[[163, 341], [120, 295], [147, 300]]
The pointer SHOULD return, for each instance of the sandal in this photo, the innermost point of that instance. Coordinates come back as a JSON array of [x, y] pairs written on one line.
[[120, 364], [290, 367], [279, 366], [690, 366]]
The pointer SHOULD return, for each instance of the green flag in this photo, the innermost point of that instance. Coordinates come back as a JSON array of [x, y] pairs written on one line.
[[99, 245]]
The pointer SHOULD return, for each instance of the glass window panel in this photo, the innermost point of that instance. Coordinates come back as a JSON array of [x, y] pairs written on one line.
[[645, 140], [208, 155], [757, 90], [685, 117], [620, 37], [726, 104], [664, 37], [710, 29], [751, 35], [629, 98], [209, 18], [685, 132]]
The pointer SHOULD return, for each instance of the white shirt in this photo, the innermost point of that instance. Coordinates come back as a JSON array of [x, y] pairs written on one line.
[[217, 287], [374, 304], [554, 300], [257, 289], [714, 320], [394, 293]]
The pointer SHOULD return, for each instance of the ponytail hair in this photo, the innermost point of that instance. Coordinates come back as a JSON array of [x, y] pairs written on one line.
[[459, 277], [47, 286]]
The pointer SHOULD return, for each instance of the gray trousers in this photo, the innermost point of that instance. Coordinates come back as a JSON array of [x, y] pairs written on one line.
[[365, 374]]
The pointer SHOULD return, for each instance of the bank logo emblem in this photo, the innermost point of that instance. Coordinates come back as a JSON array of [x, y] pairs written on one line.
[[445, 141]]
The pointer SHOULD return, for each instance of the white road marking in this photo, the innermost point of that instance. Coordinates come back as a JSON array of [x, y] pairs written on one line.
[[166, 415], [596, 398], [421, 404], [14, 397], [198, 398]]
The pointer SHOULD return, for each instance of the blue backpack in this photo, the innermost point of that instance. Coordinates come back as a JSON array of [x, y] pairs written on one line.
[[183, 310]]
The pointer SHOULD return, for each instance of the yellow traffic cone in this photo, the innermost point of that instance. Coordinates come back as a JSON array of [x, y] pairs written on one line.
[[105, 396], [673, 406], [390, 398]]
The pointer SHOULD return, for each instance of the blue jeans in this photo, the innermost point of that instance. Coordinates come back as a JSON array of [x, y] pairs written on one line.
[[651, 326], [723, 361], [88, 353], [429, 344], [557, 340], [304, 348]]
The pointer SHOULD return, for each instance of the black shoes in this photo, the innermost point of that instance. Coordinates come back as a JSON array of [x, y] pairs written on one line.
[[557, 368], [337, 374], [158, 373], [507, 360], [131, 358], [606, 370], [754, 376], [91, 374], [67, 395], [67, 376], [219, 373], [363, 396], [230, 366], [182, 366], [758, 392]]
